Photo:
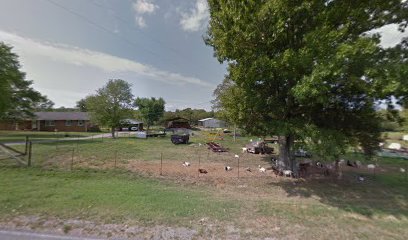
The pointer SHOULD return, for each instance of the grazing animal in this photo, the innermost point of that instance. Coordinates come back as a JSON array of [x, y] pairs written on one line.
[[370, 166], [287, 173], [199, 144], [186, 164], [244, 149], [319, 164], [261, 169], [361, 178], [228, 168], [248, 169], [201, 170], [402, 170], [237, 156]]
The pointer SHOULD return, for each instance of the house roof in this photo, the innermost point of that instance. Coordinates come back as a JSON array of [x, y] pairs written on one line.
[[205, 119], [62, 116]]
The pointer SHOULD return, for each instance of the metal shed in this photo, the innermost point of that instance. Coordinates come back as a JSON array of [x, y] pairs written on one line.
[[211, 123]]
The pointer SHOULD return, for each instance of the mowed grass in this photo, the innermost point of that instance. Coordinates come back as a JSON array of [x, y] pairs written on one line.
[[19, 136], [107, 196], [312, 209]]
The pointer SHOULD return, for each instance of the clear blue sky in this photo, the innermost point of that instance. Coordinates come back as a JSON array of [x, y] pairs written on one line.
[[71, 48]]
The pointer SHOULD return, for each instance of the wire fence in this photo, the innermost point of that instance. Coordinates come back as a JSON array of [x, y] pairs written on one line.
[[194, 160]]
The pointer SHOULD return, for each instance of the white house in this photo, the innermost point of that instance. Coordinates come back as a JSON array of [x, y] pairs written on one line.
[[211, 123]]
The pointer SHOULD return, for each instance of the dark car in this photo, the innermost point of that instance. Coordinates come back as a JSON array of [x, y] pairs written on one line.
[[259, 147], [303, 153], [180, 139]]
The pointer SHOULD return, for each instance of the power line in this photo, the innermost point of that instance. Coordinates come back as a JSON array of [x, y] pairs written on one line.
[[131, 43]]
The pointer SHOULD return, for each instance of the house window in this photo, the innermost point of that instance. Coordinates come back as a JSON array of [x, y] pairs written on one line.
[[49, 123], [80, 122], [68, 122]]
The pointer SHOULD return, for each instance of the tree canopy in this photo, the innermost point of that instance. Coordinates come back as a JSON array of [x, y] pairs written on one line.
[[308, 70], [151, 109], [18, 99], [111, 104]]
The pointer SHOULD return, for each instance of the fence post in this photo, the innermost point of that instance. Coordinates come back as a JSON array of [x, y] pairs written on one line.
[[238, 166], [116, 156], [30, 148], [198, 170], [26, 145], [72, 158], [161, 163]]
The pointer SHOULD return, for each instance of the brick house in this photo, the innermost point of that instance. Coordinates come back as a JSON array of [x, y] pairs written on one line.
[[53, 121]]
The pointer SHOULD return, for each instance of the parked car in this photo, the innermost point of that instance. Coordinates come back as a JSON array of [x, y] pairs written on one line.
[[259, 147], [302, 153]]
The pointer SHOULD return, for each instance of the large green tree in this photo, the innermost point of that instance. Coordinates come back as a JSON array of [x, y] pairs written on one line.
[[308, 70], [111, 104], [18, 100], [150, 109]]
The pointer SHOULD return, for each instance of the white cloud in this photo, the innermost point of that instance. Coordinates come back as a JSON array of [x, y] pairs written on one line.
[[197, 18], [144, 6], [87, 58], [141, 8], [140, 21]]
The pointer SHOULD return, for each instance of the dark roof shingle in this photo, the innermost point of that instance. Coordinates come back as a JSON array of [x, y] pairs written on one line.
[[62, 116]]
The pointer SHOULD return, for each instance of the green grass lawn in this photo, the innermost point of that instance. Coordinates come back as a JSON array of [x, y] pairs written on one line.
[[19, 136], [312, 209], [377, 209]]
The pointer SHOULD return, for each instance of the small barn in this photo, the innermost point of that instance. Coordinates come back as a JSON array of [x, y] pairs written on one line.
[[211, 123], [177, 122]]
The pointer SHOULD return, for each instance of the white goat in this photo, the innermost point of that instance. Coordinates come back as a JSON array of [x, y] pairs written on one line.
[[371, 166], [237, 156], [402, 170], [287, 173], [186, 164], [261, 169], [244, 149], [228, 168]]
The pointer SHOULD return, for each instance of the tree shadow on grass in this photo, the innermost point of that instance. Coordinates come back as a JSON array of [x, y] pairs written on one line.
[[369, 198]]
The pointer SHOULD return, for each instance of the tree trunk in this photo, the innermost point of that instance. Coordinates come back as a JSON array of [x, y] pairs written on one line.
[[113, 132], [286, 158]]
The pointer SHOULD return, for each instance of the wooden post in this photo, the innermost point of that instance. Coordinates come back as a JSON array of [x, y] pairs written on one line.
[[26, 145], [116, 156], [235, 132], [161, 163], [30, 148], [72, 158]]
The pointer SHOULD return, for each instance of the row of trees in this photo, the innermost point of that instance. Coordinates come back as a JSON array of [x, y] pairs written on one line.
[[18, 99], [309, 70], [114, 102]]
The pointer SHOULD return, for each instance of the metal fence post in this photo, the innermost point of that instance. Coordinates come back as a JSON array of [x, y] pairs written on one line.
[[72, 158], [161, 163], [26, 145], [116, 156], [30, 148]]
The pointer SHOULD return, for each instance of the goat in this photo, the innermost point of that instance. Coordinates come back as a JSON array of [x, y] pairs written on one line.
[[201, 170], [237, 156], [402, 170], [244, 149], [228, 168], [261, 169], [287, 173], [361, 178], [186, 164], [371, 166]]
